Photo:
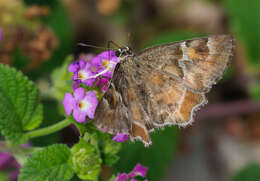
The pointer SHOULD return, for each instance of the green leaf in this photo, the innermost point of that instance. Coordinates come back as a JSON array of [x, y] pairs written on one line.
[[50, 164], [19, 104], [250, 173], [86, 161]]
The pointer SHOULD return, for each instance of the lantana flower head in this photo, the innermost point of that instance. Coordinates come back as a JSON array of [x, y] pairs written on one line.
[[89, 70], [81, 104]]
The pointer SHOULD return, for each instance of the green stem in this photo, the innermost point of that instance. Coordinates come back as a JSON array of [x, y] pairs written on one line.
[[48, 130]]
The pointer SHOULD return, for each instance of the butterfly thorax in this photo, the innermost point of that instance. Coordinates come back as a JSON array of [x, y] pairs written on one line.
[[124, 52]]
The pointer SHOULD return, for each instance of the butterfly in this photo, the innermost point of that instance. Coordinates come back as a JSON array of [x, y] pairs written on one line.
[[162, 85]]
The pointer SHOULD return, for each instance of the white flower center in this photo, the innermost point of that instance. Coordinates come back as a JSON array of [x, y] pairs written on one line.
[[82, 75], [84, 105]]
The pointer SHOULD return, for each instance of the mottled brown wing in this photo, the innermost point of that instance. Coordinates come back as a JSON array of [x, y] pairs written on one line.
[[199, 63], [140, 98]]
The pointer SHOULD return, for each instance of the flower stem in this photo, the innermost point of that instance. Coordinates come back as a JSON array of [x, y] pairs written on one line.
[[48, 130]]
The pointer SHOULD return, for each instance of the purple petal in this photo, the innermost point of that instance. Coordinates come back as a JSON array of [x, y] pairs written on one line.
[[121, 177], [89, 82], [91, 98], [4, 159], [120, 137], [79, 94], [82, 64], [75, 85], [68, 103], [106, 55], [102, 83], [75, 76], [79, 115], [13, 175], [133, 179], [138, 170], [115, 59], [108, 74], [97, 61], [74, 67]]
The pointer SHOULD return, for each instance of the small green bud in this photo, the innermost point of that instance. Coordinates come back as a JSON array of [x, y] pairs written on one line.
[[86, 161]]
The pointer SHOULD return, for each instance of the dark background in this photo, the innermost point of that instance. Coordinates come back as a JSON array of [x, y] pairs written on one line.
[[224, 141]]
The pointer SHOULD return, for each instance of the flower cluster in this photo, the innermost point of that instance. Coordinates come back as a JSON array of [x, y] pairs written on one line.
[[90, 73], [139, 170]]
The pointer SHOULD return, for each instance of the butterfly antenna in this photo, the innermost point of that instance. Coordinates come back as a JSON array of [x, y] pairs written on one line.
[[113, 43], [93, 46]]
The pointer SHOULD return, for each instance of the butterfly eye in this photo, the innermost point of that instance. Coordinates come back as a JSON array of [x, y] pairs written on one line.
[[117, 53]]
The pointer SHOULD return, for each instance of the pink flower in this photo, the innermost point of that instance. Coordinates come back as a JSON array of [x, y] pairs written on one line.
[[81, 104], [121, 177], [106, 60], [120, 137], [139, 170], [102, 83], [82, 72]]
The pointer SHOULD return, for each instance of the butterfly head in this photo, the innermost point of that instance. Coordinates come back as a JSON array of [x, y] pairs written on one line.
[[124, 52]]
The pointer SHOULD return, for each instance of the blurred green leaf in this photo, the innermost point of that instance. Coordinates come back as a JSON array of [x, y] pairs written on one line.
[[246, 25], [249, 173], [254, 91], [62, 80], [4, 176]]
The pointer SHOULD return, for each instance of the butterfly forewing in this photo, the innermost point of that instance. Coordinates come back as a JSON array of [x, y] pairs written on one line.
[[198, 62], [162, 85]]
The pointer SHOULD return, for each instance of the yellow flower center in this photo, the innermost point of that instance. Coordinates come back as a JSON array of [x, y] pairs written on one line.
[[105, 63], [80, 75]]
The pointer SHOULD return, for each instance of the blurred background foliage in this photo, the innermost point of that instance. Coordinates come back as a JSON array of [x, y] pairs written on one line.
[[40, 38]]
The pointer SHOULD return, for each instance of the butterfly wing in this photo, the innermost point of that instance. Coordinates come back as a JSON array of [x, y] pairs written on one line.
[[199, 63], [163, 85], [140, 98]]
